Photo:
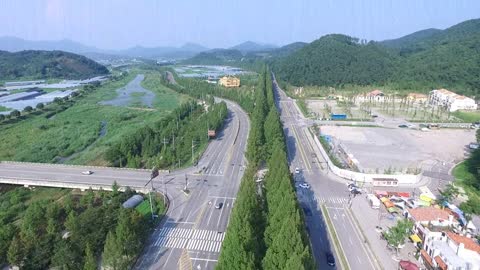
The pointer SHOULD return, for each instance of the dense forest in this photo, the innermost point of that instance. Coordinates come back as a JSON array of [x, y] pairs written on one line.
[[266, 229], [66, 232], [47, 64], [169, 142], [424, 60]]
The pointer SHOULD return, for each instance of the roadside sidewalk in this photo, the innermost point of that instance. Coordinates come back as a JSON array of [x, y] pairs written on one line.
[[368, 218]]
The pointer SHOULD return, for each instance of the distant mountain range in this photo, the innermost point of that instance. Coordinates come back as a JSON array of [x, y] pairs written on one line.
[[250, 46], [14, 44]]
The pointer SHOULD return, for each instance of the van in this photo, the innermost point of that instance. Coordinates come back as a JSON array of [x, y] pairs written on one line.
[[374, 201]]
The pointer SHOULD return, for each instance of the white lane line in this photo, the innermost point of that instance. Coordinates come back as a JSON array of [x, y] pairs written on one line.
[[202, 259]]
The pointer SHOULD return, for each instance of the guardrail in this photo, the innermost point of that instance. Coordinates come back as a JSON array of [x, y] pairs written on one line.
[[79, 166]]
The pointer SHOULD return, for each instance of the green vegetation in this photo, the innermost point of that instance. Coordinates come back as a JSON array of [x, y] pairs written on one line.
[[148, 147], [469, 117], [57, 228], [4, 109], [266, 230], [397, 234], [76, 124], [447, 58], [47, 64], [469, 182]]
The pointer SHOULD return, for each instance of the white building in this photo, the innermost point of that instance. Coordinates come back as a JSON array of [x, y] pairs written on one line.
[[448, 250], [450, 100]]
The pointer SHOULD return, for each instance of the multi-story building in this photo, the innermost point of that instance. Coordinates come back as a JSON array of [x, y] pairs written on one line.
[[451, 101], [448, 250], [229, 81]]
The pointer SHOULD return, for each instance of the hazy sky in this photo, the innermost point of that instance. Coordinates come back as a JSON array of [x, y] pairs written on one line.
[[117, 24]]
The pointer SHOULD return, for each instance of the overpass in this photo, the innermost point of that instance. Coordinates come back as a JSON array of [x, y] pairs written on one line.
[[70, 176]]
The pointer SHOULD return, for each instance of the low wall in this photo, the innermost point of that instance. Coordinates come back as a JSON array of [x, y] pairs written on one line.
[[364, 177], [80, 166]]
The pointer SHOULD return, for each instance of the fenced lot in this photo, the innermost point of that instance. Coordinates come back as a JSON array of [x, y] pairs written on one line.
[[383, 149]]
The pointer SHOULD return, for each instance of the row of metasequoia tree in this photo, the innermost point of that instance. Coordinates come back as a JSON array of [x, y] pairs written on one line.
[[266, 229]]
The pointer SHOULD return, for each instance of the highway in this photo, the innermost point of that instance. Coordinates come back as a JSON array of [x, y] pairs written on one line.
[[193, 229], [325, 188]]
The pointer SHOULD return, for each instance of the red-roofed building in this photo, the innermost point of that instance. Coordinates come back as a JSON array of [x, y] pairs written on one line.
[[431, 215]]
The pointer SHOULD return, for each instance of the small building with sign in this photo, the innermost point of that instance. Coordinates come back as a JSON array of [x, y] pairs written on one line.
[[229, 81]]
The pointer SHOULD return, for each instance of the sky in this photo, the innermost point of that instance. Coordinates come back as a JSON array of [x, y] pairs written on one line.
[[119, 24]]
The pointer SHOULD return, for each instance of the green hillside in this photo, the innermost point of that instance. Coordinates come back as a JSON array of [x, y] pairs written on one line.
[[335, 60], [47, 64], [423, 60]]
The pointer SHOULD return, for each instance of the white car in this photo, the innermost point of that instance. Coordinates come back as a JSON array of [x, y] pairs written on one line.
[[87, 172], [297, 170], [304, 185]]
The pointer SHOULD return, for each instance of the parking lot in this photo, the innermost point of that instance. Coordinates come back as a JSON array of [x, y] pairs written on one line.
[[380, 149]]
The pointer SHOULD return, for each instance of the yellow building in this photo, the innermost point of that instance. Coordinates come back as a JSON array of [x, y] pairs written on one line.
[[229, 81]]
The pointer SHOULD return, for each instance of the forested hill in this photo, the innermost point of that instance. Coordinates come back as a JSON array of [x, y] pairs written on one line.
[[47, 64], [445, 58], [337, 59]]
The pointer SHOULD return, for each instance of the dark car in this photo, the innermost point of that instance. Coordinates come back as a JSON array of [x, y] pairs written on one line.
[[356, 191], [307, 211], [219, 205], [330, 259], [403, 126]]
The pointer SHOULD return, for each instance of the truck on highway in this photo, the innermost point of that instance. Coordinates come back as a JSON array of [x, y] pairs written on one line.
[[338, 116]]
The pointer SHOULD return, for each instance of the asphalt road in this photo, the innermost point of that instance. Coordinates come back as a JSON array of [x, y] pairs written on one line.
[[193, 229], [325, 189]]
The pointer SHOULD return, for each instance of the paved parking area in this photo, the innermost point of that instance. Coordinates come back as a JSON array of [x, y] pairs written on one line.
[[378, 149]]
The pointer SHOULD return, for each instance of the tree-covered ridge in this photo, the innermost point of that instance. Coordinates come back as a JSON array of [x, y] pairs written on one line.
[[169, 142], [47, 64], [335, 60], [266, 229], [430, 59]]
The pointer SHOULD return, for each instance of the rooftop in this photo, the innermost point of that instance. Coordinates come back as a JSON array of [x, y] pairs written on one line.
[[429, 213], [468, 242]]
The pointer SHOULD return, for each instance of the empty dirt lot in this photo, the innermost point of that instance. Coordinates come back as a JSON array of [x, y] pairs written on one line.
[[383, 148]]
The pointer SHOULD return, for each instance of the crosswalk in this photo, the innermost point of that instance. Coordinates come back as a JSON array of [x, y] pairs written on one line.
[[191, 239], [332, 200]]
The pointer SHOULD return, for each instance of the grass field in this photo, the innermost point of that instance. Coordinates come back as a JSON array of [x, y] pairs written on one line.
[[38, 139], [469, 117]]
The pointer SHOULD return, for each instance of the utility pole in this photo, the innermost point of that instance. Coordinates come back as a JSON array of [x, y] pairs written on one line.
[[152, 175], [193, 147]]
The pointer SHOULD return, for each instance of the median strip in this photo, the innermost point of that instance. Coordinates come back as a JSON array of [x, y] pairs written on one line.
[[336, 242]]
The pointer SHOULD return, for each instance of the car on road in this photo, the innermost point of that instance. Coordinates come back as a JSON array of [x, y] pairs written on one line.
[[403, 126], [353, 187], [297, 170], [87, 172], [219, 205], [330, 258], [304, 185], [356, 191], [307, 211]]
